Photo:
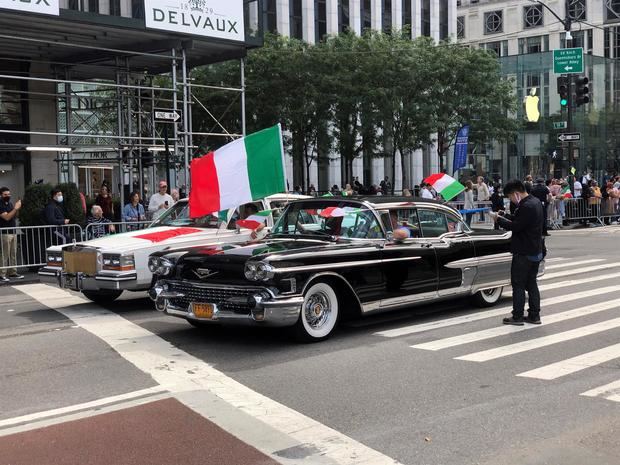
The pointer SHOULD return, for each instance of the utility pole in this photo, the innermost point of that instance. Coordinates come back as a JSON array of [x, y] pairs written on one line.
[[566, 22]]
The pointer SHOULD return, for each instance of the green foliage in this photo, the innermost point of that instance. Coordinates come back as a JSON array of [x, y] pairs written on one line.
[[34, 201], [72, 203], [377, 95]]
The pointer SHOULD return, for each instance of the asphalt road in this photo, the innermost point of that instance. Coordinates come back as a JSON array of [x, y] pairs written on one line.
[[441, 384]]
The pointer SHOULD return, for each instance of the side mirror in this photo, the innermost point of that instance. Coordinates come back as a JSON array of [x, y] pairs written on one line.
[[390, 236]]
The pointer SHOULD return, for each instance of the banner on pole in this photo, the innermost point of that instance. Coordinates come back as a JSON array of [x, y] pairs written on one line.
[[460, 148]]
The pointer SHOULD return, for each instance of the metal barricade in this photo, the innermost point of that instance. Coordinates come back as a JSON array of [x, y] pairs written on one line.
[[480, 220], [609, 210], [583, 210], [95, 230], [24, 246]]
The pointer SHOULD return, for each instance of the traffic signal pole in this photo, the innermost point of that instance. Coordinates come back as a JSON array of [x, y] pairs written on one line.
[[566, 22]]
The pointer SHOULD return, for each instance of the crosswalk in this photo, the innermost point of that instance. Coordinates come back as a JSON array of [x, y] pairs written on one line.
[[569, 302]]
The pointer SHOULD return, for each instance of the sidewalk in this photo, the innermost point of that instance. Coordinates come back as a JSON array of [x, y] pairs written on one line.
[[161, 432]]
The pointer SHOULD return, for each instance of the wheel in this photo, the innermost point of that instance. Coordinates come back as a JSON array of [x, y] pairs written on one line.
[[102, 297], [319, 313], [488, 297]]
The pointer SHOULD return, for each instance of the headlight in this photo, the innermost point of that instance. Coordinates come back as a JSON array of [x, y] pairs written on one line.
[[114, 262], [258, 271], [54, 259], [153, 264], [164, 267]]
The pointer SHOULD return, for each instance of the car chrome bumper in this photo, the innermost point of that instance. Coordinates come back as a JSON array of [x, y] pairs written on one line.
[[275, 312], [79, 282]]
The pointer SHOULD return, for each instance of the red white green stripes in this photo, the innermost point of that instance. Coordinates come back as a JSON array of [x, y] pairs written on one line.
[[254, 221], [445, 185], [244, 170]]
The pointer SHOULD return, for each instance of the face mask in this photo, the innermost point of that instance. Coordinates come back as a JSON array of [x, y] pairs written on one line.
[[517, 199], [6, 199], [59, 199]]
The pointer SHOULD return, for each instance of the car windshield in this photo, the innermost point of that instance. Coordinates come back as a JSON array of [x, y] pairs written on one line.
[[339, 219], [178, 215]]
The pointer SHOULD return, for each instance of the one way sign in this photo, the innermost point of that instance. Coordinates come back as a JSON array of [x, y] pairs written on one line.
[[568, 136], [166, 116]]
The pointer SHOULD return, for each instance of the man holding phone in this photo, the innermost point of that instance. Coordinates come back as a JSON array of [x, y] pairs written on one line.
[[160, 201], [527, 249]]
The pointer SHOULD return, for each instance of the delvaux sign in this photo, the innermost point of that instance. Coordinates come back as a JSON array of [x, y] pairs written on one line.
[[221, 19], [46, 7]]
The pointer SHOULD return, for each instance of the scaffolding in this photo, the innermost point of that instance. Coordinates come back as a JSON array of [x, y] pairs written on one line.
[[125, 110]]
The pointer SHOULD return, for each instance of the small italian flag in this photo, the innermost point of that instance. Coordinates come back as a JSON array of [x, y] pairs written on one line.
[[255, 220], [445, 185], [333, 212], [242, 171]]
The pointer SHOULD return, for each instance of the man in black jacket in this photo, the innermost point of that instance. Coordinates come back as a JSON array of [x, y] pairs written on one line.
[[527, 251], [54, 215]]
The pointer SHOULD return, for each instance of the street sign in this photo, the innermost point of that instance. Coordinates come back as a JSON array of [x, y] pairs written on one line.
[[568, 60], [166, 116], [560, 125], [568, 136]]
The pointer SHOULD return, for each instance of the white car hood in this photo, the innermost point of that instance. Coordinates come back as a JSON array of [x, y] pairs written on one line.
[[155, 238]]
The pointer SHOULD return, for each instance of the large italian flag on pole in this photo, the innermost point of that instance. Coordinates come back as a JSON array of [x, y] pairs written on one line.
[[247, 169], [445, 185]]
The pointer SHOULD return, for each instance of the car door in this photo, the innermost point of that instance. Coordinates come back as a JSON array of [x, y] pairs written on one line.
[[454, 249], [409, 266]]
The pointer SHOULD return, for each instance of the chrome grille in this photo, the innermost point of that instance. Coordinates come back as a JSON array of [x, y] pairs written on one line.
[[215, 295]]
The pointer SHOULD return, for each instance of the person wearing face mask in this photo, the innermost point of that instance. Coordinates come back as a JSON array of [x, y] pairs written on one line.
[[8, 238], [527, 248], [54, 215]]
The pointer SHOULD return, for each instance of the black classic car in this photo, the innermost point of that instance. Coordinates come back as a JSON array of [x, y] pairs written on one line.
[[335, 257]]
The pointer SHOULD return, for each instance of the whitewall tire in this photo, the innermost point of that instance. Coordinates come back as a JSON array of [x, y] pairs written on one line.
[[488, 297], [319, 313]]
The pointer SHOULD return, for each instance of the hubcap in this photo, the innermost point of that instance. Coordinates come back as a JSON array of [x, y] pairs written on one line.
[[317, 310]]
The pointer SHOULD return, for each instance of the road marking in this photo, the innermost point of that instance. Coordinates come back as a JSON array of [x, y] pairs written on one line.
[[576, 263], [609, 391], [563, 274], [502, 330], [77, 407], [531, 344], [178, 371], [574, 364], [557, 259], [574, 282], [422, 327]]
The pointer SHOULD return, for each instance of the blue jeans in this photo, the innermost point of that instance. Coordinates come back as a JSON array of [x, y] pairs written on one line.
[[523, 277]]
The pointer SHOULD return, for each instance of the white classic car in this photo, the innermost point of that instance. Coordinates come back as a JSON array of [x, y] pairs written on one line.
[[105, 267]]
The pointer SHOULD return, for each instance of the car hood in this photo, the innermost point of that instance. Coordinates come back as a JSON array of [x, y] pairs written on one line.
[[155, 238]]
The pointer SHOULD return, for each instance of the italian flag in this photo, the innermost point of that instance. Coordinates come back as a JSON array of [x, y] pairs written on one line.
[[333, 212], [255, 220], [445, 185], [242, 171]]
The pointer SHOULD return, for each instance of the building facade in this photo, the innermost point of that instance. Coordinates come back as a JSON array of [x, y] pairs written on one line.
[[523, 34], [311, 20]]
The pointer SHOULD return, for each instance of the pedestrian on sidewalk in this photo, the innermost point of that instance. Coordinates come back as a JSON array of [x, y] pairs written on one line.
[[8, 238], [468, 196], [527, 249]]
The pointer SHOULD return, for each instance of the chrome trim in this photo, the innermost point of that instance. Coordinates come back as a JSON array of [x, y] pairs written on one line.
[[116, 278], [340, 265], [480, 261], [301, 255]]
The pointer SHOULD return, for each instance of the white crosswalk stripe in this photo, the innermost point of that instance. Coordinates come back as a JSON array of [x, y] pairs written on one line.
[[539, 342], [609, 391], [572, 283], [502, 330], [579, 271], [574, 364], [575, 263]]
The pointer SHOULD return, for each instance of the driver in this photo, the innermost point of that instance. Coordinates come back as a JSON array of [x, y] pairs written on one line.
[[248, 210], [400, 232]]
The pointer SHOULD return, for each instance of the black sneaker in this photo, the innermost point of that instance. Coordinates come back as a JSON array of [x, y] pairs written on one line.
[[513, 321], [4, 279], [533, 320], [16, 276]]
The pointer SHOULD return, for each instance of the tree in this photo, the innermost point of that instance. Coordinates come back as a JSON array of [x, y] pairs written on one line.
[[465, 86]]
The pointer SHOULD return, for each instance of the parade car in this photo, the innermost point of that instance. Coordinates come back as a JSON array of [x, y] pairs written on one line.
[[332, 258], [105, 267]]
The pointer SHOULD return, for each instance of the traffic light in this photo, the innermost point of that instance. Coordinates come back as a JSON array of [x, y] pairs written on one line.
[[563, 90], [582, 91]]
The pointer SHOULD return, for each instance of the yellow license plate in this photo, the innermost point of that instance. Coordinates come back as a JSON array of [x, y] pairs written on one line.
[[204, 311]]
